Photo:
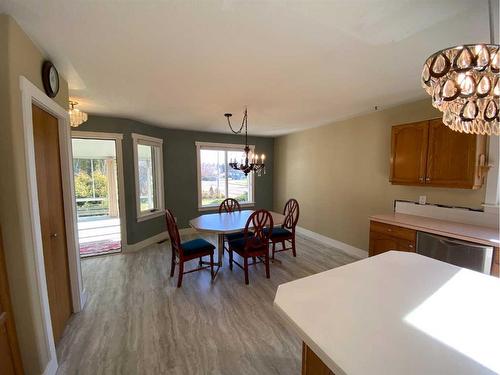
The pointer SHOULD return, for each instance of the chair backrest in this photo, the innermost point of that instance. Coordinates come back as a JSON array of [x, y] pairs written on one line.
[[291, 212], [256, 223], [173, 232], [229, 205]]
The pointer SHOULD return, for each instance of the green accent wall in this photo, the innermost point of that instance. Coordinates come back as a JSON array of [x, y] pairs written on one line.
[[180, 170]]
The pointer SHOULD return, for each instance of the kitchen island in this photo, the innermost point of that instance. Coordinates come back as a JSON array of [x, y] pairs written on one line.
[[395, 313]]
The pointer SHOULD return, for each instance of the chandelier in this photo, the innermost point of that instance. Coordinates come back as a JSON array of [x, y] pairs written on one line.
[[464, 83], [250, 162], [76, 117]]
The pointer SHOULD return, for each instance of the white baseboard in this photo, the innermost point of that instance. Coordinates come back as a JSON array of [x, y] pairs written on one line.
[[83, 299], [148, 241], [51, 368], [155, 239], [346, 248]]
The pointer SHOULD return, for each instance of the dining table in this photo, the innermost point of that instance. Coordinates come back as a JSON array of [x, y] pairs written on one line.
[[224, 223]]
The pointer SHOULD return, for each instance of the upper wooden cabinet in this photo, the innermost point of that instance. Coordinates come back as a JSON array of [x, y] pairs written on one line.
[[429, 153]]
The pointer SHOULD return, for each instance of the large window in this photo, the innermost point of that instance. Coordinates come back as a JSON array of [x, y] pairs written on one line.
[[217, 180], [148, 165]]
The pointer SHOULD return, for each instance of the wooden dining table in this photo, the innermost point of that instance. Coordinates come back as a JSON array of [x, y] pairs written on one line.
[[225, 223]]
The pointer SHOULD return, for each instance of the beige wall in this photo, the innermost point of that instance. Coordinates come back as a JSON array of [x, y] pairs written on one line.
[[340, 174], [21, 58]]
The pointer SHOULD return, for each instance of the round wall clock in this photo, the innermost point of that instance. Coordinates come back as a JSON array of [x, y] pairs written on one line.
[[50, 79]]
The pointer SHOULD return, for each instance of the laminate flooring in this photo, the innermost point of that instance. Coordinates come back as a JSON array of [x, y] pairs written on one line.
[[137, 322]]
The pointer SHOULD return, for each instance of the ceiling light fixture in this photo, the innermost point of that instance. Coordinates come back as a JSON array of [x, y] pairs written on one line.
[[76, 117], [251, 161], [464, 83]]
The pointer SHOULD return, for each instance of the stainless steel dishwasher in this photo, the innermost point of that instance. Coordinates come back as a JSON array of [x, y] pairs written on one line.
[[460, 253]]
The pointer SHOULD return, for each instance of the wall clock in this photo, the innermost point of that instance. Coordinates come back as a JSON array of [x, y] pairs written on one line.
[[50, 79]]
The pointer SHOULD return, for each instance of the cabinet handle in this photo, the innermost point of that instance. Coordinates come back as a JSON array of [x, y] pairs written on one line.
[[53, 235], [410, 246], [421, 179], [389, 229], [428, 179]]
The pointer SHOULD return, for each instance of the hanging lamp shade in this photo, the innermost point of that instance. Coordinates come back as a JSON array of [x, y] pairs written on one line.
[[76, 117]]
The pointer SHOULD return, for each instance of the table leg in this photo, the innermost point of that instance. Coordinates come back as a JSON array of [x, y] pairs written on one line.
[[220, 248]]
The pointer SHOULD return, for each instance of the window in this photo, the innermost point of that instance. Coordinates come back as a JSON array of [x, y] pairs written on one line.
[[217, 180], [148, 166]]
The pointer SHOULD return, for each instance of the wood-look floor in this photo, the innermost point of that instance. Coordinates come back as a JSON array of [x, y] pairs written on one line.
[[137, 322]]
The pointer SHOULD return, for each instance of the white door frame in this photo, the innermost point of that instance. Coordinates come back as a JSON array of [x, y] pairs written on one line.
[[117, 137], [30, 94]]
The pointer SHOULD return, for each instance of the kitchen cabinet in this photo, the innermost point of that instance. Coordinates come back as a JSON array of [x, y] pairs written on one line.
[[399, 232], [429, 153], [386, 237]]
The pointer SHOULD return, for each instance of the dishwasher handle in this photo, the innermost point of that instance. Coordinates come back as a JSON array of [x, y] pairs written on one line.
[[454, 243]]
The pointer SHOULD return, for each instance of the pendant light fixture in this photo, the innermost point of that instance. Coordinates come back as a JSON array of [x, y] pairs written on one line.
[[464, 83], [76, 117], [251, 161]]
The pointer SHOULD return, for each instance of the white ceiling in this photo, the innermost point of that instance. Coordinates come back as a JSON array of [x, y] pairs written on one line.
[[295, 63]]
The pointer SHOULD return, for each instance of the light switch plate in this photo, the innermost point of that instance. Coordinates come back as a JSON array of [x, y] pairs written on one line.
[[422, 199]]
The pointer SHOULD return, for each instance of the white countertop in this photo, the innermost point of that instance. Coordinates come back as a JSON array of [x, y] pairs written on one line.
[[397, 313], [467, 232]]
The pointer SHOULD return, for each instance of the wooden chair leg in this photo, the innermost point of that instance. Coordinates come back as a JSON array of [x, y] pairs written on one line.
[[254, 261], [267, 264], [181, 273], [245, 268], [230, 259], [293, 247], [201, 261], [172, 265], [212, 266]]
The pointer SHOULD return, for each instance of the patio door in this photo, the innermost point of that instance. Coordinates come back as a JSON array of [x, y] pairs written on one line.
[[97, 194]]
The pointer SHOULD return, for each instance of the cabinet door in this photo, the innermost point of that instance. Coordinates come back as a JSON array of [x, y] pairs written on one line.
[[452, 158], [409, 153], [380, 243]]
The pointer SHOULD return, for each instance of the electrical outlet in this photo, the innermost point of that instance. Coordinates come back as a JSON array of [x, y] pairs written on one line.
[[422, 199]]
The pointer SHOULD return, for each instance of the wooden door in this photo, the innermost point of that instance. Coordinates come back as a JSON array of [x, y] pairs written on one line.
[[452, 160], [10, 360], [409, 153], [50, 201]]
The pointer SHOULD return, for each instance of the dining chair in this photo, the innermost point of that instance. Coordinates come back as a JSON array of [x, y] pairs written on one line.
[[230, 205], [286, 232], [189, 250], [254, 244]]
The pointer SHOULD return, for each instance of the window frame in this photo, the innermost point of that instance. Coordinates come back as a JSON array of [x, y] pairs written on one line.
[[222, 147], [158, 171]]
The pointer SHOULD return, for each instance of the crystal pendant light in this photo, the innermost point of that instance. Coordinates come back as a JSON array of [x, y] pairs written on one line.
[[76, 117], [250, 162], [464, 83]]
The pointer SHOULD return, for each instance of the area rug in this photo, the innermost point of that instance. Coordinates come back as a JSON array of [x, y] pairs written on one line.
[[99, 248]]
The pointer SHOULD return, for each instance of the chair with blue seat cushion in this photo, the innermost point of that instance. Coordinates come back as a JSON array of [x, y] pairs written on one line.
[[253, 244], [285, 234], [185, 251]]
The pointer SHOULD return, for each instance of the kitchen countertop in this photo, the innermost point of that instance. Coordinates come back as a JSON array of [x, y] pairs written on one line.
[[422, 317], [473, 233]]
